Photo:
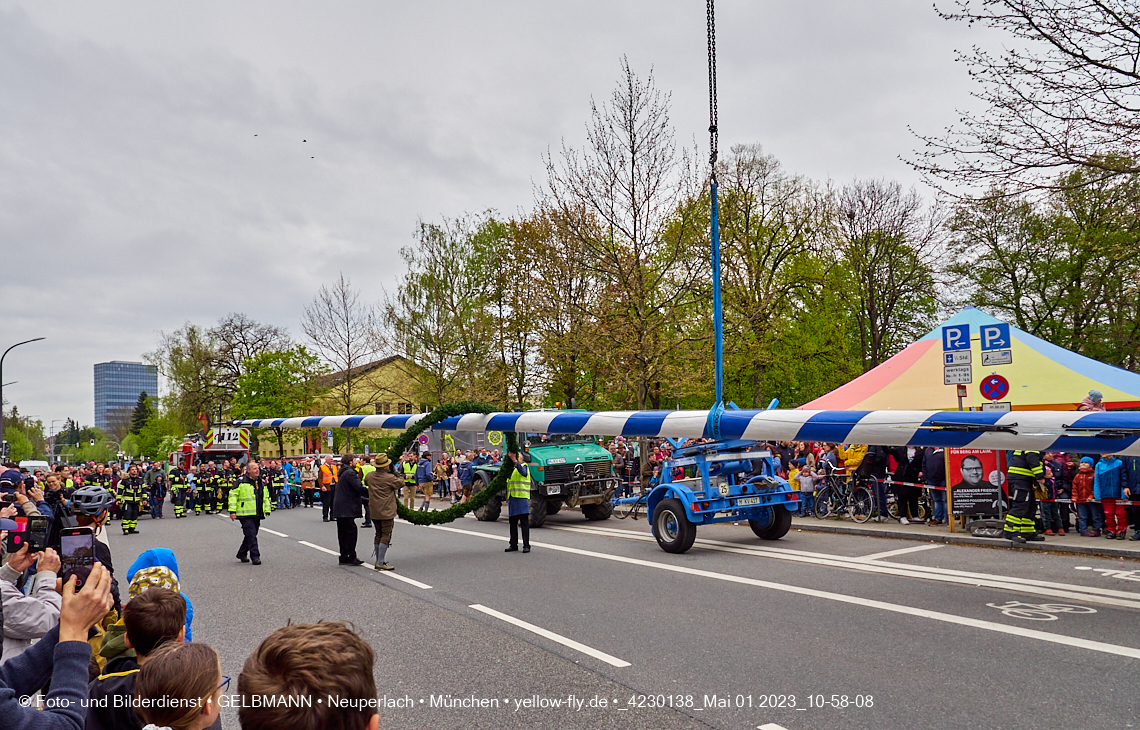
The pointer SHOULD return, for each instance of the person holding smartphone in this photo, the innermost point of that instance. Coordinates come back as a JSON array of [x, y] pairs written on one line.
[[63, 655], [27, 617]]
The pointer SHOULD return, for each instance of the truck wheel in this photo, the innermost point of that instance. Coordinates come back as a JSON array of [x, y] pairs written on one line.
[[490, 511], [775, 527], [552, 506], [671, 527], [537, 509], [600, 511]]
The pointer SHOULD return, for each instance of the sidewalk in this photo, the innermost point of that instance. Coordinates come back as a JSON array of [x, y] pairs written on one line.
[[1071, 543]]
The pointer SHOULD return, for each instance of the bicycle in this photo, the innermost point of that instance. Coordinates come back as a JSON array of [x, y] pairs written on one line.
[[841, 495]]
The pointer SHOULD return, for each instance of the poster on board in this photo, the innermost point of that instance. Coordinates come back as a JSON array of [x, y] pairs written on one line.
[[975, 478]]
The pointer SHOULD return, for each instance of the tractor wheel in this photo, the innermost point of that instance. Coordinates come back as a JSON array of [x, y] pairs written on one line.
[[552, 506], [776, 526], [599, 511], [537, 509], [490, 511], [671, 527]]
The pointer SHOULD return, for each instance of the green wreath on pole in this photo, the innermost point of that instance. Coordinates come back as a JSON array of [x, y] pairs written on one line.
[[480, 499]]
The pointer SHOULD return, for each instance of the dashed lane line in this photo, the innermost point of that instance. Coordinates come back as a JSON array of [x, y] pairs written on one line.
[[1070, 641], [901, 551], [274, 532], [556, 638], [387, 573]]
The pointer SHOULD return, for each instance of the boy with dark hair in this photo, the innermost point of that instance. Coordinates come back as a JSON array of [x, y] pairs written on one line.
[[325, 660], [155, 617]]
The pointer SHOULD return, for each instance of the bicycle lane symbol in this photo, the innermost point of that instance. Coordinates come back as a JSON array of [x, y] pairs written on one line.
[[1038, 611]]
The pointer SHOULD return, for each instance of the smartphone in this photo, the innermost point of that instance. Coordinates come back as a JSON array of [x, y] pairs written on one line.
[[76, 553], [30, 531], [18, 537]]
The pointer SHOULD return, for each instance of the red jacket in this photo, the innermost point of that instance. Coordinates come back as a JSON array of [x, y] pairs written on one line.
[[1083, 486]]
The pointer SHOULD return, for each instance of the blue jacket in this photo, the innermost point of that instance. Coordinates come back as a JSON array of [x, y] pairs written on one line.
[[466, 473], [66, 665], [423, 472], [1108, 479], [1132, 475]]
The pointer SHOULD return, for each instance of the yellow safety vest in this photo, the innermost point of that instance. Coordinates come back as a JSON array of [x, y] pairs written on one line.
[[518, 485], [409, 473]]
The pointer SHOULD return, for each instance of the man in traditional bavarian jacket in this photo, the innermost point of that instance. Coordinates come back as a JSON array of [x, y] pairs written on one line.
[[130, 495], [1026, 472], [178, 488], [249, 504]]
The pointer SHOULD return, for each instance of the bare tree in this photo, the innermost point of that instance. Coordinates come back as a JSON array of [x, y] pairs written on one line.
[[237, 338], [627, 200], [343, 330], [1068, 98], [891, 247]]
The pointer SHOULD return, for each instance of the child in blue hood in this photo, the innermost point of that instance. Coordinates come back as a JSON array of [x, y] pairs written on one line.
[[163, 557]]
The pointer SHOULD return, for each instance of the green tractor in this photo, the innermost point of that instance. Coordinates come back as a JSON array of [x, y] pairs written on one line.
[[565, 471]]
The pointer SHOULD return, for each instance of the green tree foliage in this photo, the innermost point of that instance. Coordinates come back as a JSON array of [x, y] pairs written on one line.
[[1065, 267], [21, 445], [277, 384], [31, 428], [141, 414]]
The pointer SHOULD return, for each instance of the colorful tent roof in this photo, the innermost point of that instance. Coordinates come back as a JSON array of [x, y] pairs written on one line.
[[1043, 376]]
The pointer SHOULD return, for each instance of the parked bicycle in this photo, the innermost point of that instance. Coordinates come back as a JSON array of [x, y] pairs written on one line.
[[842, 494]]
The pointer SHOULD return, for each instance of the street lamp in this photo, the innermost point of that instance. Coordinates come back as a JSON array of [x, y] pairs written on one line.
[[36, 339]]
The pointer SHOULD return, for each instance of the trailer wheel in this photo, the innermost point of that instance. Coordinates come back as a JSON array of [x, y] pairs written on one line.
[[537, 509], [490, 511], [776, 526], [599, 511], [671, 527]]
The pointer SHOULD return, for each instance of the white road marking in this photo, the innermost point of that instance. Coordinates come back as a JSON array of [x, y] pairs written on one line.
[[901, 551], [1070, 641], [389, 573], [557, 638], [1126, 599], [771, 726], [274, 532]]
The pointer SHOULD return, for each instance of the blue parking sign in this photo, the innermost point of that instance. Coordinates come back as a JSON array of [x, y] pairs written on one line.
[[956, 337], [995, 336]]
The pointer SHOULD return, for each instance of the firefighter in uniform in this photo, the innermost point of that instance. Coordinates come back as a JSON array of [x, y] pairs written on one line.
[[208, 491], [408, 467], [518, 504], [178, 491], [249, 503], [1026, 473], [102, 478], [130, 500]]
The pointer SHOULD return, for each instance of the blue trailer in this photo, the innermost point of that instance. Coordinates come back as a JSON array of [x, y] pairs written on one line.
[[725, 481]]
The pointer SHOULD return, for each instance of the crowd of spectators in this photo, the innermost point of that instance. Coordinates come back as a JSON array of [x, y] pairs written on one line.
[[75, 657]]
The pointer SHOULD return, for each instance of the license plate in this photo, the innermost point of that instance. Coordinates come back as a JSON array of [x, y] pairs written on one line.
[[553, 489], [745, 501]]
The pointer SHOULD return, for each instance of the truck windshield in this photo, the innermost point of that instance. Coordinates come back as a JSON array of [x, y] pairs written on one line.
[[544, 439]]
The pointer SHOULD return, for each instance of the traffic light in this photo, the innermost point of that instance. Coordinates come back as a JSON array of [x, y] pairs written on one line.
[[5, 449]]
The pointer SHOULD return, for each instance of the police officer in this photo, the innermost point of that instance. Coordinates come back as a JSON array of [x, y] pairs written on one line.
[[248, 502], [178, 491], [518, 503], [130, 495], [1026, 471]]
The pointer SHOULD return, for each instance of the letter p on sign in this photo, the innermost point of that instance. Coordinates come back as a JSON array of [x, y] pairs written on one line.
[[956, 337], [995, 336]]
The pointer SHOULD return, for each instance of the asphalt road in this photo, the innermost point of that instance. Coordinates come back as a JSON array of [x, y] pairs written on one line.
[[736, 633]]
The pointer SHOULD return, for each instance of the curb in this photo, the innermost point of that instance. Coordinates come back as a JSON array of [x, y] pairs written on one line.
[[1041, 547]]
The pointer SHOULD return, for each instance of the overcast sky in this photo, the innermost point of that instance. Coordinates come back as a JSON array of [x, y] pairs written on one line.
[[152, 169]]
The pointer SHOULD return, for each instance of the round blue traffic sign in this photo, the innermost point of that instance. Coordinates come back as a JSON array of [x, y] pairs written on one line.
[[994, 387]]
